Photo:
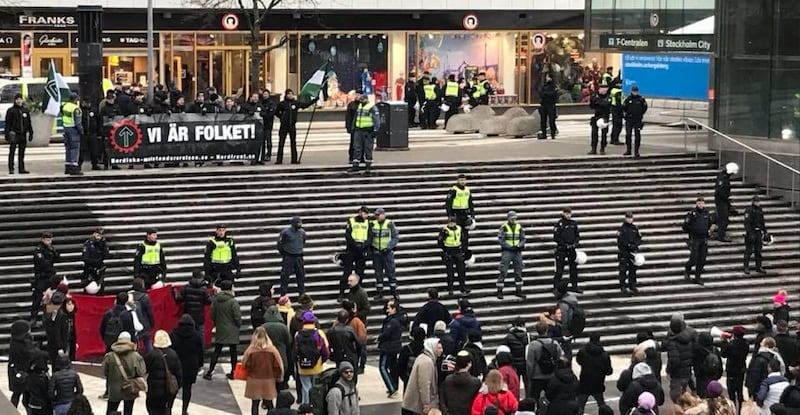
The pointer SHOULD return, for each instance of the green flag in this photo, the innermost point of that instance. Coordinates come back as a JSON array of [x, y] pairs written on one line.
[[56, 91], [313, 87]]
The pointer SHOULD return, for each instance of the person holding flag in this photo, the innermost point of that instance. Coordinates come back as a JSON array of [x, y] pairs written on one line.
[[287, 113], [57, 93]]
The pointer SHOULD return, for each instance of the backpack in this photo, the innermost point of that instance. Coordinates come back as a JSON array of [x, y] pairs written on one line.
[[323, 383], [577, 319], [307, 349], [548, 359], [712, 364], [113, 328]]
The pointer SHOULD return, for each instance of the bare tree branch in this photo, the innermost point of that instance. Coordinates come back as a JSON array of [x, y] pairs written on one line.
[[280, 44]]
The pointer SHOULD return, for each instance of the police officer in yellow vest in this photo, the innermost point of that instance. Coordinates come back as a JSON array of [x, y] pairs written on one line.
[[607, 76], [452, 97], [450, 242], [356, 234], [221, 258], [480, 91], [73, 129], [383, 238], [512, 242], [149, 262], [367, 121], [459, 205], [430, 107], [615, 96]]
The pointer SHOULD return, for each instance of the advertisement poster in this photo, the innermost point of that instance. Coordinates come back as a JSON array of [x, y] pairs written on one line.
[[445, 54], [358, 61], [675, 76], [27, 55]]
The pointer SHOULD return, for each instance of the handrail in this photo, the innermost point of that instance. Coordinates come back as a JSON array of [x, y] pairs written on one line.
[[741, 144]]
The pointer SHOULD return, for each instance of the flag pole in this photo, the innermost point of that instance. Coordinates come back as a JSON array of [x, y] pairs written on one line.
[[314, 111]]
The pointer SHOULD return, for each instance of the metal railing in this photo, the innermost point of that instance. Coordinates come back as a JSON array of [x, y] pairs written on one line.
[[699, 127]]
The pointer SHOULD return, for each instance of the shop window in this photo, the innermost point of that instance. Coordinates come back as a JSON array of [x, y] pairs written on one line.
[[9, 63], [8, 92]]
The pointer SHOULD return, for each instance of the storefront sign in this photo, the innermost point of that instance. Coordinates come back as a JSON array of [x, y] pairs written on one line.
[[658, 43], [184, 138], [123, 40], [470, 22], [230, 21], [9, 40], [50, 40], [46, 20]]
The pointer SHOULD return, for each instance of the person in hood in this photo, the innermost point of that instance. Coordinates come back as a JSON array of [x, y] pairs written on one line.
[[464, 324], [510, 376], [281, 339], [160, 363], [647, 346], [781, 307], [21, 354], [194, 297], [409, 353], [343, 398], [144, 311], [459, 388], [679, 346], [567, 303], [227, 318], [645, 405], [36, 397], [494, 392], [595, 366], [291, 242], [643, 381], [259, 305], [735, 352], [562, 390], [264, 367], [707, 362], [389, 345], [431, 312], [517, 342], [422, 394], [283, 405], [449, 350], [475, 348], [188, 345], [540, 348], [65, 385], [124, 352], [759, 365], [714, 404], [772, 387]]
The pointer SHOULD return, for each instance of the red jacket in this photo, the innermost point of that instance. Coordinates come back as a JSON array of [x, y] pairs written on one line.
[[504, 401], [511, 379]]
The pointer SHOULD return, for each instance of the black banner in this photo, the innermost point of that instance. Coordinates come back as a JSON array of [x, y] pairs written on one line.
[[9, 41], [658, 43], [177, 138]]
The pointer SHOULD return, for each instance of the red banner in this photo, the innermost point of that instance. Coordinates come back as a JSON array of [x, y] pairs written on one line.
[[92, 307]]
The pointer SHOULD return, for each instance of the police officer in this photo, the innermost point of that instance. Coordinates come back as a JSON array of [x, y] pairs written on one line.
[[722, 200], [480, 91], [548, 95], [221, 258], [291, 243], [366, 123], [44, 257], [755, 231], [634, 108], [89, 137], [512, 241], [450, 242], [452, 97], [410, 97], [429, 106], [383, 238], [602, 110], [697, 225], [94, 254], [607, 77], [459, 205], [18, 129], [149, 262], [615, 96], [628, 241], [356, 234], [73, 130], [567, 238]]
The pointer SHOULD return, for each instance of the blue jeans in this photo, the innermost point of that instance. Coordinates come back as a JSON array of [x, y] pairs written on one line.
[[144, 337], [62, 408], [72, 145], [201, 330], [307, 381], [383, 263]]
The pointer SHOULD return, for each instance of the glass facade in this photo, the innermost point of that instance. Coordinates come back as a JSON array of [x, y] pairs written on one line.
[[758, 69]]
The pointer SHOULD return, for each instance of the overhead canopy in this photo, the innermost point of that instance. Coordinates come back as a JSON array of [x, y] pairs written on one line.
[[700, 27]]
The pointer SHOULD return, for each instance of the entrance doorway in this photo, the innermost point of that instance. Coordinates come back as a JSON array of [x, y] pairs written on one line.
[[41, 63], [226, 70]]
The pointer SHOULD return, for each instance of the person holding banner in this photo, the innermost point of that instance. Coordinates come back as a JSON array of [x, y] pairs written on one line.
[[287, 113], [149, 262]]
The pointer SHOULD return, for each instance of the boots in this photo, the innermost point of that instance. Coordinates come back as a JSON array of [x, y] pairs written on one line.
[[354, 168], [499, 293], [368, 171], [74, 171], [519, 293]]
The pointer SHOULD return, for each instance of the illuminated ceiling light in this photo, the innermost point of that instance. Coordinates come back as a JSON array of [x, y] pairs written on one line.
[[580, 36], [787, 133]]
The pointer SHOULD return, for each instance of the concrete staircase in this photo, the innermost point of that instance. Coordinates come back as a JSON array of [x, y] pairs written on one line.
[[185, 205]]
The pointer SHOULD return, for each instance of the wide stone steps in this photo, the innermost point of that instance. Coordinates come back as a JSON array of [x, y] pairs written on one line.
[[187, 204]]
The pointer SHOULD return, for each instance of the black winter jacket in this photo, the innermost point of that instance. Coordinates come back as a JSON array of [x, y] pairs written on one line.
[[56, 327], [344, 344], [517, 341], [156, 371], [21, 353], [389, 341], [194, 297], [722, 188], [562, 393], [595, 366], [18, 120], [757, 372], [37, 394], [188, 345], [457, 393], [735, 351], [430, 313], [680, 354], [646, 383], [65, 384]]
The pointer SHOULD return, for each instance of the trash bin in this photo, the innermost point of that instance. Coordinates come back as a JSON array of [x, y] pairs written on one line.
[[393, 132]]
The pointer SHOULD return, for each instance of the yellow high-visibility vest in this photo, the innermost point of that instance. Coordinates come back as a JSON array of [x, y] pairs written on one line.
[[222, 253], [461, 200], [451, 89], [381, 234], [152, 254], [364, 115], [67, 114], [453, 239], [512, 235], [430, 92], [359, 230]]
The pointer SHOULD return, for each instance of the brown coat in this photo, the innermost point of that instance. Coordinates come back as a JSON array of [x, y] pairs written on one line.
[[360, 329], [264, 369]]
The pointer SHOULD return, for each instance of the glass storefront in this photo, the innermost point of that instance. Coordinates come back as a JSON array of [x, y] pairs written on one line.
[[758, 69]]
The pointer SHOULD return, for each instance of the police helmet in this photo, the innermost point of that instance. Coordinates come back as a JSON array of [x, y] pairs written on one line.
[[581, 257]]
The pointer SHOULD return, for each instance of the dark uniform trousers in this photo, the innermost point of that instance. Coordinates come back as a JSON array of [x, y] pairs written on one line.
[[547, 115], [93, 272], [634, 127], [454, 264], [616, 124], [355, 259], [595, 132], [219, 272], [150, 274], [566, 256], [39, 285], [453, 103], [753, 243], [723, 215], [627, 270], [282, 133], [698, 249], [293, 264]]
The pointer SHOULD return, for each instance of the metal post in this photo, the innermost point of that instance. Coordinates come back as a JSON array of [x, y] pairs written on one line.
[[793, 189], [768, 163], [744, 166], [150, 58]]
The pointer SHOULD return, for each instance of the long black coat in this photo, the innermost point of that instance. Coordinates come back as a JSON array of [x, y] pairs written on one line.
[[156, 371], [188, 344], [646, 383], [595, 366], [562, 393], [194, 297], [680, 354]]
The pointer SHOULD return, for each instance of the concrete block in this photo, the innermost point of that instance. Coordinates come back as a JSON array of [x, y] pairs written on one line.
[[492, 125], [481, 112], [515, 112], [462, 123], [523, 126]]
